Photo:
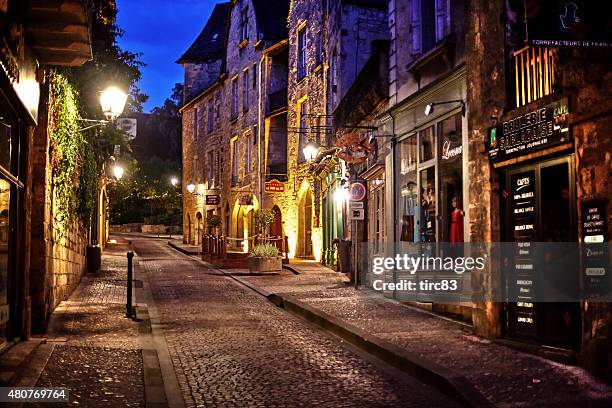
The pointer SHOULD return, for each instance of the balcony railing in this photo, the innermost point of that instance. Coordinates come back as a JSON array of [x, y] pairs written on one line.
[[534, 69], [277, 100]]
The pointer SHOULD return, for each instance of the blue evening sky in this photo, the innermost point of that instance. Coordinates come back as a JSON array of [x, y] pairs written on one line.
[[161, 30]]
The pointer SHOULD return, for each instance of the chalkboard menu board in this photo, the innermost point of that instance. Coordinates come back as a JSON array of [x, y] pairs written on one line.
[[594, 252], [523, 222]]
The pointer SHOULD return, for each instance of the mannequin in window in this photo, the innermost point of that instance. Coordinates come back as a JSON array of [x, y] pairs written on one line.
[[456, 227]]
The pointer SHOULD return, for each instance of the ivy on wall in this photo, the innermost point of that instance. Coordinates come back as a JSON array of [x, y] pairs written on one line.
[[73, 163]]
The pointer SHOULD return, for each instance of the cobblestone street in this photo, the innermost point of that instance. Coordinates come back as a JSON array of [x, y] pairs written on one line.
[[231, 347]]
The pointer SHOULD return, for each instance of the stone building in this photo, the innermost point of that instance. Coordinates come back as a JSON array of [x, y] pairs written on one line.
[[329, 44], [37, 270], [524, 77], [235, 74]]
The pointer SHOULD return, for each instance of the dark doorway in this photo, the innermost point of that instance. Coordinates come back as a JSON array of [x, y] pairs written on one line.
[[276, 228], [539, 206]]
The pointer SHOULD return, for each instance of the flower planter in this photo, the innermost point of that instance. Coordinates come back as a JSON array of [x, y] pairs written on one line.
[[265, 265]]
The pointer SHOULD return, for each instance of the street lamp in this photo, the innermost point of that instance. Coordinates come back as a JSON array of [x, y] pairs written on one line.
[[341, 195], [311, 151], [112, 100], [191, 188], [174, 181], [118, 171], [429, 108]]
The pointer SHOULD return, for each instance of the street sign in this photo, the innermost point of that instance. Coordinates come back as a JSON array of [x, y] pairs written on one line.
[[357, 215], [357, 191], [355, 205], [274, 186], [212, 199]]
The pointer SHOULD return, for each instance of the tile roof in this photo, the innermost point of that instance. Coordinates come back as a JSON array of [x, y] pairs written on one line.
[[210, 44]]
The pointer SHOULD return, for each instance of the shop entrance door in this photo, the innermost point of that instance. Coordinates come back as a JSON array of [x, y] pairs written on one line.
[[539, 206]]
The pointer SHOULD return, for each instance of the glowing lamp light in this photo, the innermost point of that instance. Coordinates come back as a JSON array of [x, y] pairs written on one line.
[[311, 151], [191, 188], [118, 171], [341, 195], [429, 109], [113, 101], [173, 181]]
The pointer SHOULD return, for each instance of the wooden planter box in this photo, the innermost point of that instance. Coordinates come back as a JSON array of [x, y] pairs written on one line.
[[265, 265]]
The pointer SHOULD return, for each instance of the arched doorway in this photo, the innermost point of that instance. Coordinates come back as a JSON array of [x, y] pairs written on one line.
[[198, 232], [305, 226], [276, 228]]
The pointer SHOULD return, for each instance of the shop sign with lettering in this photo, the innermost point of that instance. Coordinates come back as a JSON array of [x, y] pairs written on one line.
[[274, 186], [530, 132], [212, 199]]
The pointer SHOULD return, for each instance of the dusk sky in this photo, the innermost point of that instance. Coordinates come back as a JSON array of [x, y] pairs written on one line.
[[161, 30]]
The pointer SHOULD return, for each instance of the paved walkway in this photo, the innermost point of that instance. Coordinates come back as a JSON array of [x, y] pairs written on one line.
[[103, 358], [506, 377], [232, 348]]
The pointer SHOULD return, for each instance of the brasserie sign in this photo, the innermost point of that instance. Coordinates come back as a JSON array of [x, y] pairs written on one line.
[[532, 131]]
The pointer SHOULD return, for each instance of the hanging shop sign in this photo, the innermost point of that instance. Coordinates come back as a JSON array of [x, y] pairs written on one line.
[[357, 191], [567, 23], [354, 148], [274, 186], [212, 199], [535, 130], [246, 199]]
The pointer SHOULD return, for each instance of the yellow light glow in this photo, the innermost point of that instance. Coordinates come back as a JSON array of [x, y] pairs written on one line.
[[112, 101], [341, 195], [118, 171]]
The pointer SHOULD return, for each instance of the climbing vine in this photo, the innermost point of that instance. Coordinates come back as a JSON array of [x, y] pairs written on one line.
[[72, 157]]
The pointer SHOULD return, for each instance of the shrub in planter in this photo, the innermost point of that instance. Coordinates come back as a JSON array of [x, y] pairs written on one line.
[[265, 258]]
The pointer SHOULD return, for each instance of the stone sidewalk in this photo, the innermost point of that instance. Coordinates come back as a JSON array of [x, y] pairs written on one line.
[[504, 376], [91, 348]]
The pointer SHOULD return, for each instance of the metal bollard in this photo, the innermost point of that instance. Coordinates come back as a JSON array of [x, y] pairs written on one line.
[[129, 309]]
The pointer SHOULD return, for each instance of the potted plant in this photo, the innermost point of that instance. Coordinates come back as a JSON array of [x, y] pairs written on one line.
[[213, 222], [264, 258]]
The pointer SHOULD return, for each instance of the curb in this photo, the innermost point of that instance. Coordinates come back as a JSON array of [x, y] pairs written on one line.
[[183, 250], [451, 383]]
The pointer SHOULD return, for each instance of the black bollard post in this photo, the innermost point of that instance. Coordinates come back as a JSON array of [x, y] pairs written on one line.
[[129, 309]]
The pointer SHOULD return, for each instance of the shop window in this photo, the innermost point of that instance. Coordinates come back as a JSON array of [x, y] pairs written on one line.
[[427, 220], [408, 197], [376, 219], [451, 180], [427, 144], [5, 189]]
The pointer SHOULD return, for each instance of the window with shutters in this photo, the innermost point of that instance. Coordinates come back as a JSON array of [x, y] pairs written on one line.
[[234, 98], [245, 90], [210, 121], [301, 53], [429, 23], [195, 124], [210, 169]]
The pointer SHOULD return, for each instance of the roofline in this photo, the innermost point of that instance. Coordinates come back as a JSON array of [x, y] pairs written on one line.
[[204, 92]]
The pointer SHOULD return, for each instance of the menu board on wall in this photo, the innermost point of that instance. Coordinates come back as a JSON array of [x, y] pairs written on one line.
[[522, 279], [535, 130], [595, 263]]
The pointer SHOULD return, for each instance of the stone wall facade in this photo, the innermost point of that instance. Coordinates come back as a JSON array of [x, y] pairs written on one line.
[[580, 76]]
